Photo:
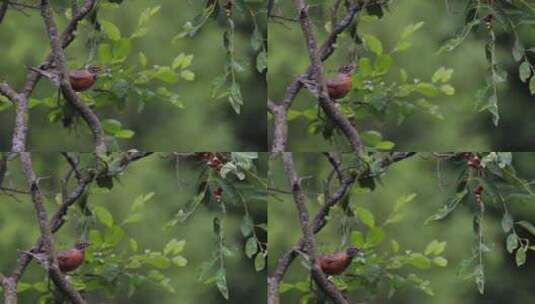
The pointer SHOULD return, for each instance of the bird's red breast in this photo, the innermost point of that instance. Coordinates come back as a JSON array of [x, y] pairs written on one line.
[[339, 86], [71, 259], [335, 263], [82, 80]]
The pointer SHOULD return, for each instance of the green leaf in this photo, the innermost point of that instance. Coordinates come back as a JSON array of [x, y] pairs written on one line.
[[251, 247], [113, 235], [419, 261], [246, 226], [187, 75], [435, 248], [365, 216], [179, 261], [507, 222], [520, 256], [257, 40], [158, 260], [512, 242], [524, 71], [124, 134], [427, 89], [111, 30], [104, 216], [383, 64], [260, 262], [447, 89], [182, 61], [261, 61], [221, 283], [528, 226], [174, 247], [357, 239], [121, 49], [133, 245], [373, 44], [440, 261], [532, 85], [375, 236], [411, 29], [142, 59], [442, 75], [104, 53]]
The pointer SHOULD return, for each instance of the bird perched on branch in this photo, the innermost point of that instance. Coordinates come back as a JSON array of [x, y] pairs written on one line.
[[68, 260], [339, 86], [82, 80], [336, 263]]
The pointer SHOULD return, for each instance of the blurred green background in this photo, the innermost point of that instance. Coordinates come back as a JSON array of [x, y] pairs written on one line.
[[463, 127], [204, 124], [173, 189], [505, 282]]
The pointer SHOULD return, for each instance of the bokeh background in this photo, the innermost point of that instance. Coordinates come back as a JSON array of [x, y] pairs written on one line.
[[173, 189], [204, 124], [463, 126], [505, 282]]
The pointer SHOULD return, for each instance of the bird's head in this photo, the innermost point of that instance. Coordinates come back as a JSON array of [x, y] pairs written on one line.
[[352, 251], [82, 245], [347, 69], [95, 68]]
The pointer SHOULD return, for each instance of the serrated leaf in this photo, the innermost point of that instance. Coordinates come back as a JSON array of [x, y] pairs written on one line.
[[524, 71]]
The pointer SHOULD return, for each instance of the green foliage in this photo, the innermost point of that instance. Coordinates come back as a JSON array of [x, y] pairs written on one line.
[[488, 180], [375, 94], [232, 184], [497, 17], [226, 85], [377, 267]]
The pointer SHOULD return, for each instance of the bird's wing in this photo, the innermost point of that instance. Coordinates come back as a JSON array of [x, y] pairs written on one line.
[[78, 74], [62, 256], [331, 258]]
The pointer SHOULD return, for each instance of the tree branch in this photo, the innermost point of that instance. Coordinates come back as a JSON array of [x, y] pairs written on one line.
[[325, 51], [20, 130], [59, 58], [58, 219], [308, 233], [3, 9], [319, 222], [46, 235]]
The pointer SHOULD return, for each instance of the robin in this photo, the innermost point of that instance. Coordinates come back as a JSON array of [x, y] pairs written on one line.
[[68, 260], [336, 263], [339, 86], [82, 80]]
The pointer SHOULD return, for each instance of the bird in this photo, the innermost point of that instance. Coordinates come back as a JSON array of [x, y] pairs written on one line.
[[336, 263], [69, 260], [84, 79], [339, 86]]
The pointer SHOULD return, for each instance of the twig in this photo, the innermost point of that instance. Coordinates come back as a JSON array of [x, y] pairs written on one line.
[[3, 9]]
